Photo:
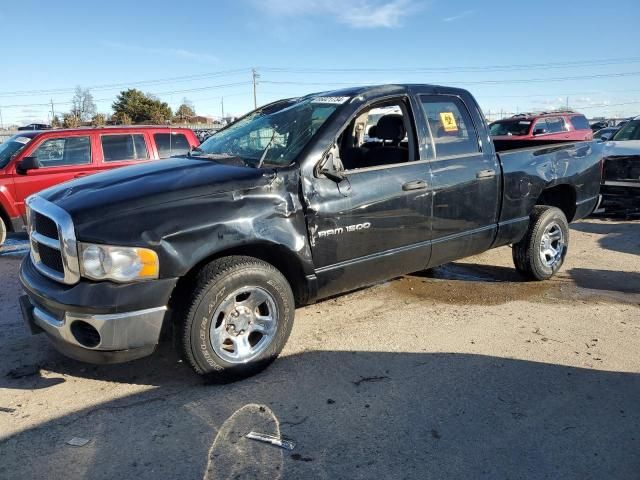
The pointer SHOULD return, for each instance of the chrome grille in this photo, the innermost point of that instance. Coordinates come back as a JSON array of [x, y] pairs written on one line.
[[53, 241], [45, 226]]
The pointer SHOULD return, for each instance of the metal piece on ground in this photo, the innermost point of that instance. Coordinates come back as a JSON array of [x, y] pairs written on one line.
[[278, 442]]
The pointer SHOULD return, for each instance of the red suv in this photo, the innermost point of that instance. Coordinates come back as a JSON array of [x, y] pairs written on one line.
[[570, 126], [33, 161]]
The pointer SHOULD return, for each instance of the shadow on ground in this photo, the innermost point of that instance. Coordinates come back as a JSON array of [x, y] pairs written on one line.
[[351, 415], [617, 236]]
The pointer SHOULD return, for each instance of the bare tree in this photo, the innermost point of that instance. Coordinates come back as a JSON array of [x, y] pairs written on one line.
[[82, 105]]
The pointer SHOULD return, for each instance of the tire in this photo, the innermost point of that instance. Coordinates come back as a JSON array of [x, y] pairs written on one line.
[[541, 253], [3, 231], [226, 332]]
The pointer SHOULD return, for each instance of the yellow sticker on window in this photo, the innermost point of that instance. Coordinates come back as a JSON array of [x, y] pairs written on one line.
[[448, 121]]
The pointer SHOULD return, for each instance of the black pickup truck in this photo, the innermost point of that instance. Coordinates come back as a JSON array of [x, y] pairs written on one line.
[[297, 201]]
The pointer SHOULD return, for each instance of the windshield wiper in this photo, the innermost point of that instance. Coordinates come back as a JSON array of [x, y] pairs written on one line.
[[266, 149]]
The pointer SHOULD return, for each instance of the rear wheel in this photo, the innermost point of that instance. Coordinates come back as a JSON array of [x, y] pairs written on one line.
[[541, 253], [3, 231], [239, 318]]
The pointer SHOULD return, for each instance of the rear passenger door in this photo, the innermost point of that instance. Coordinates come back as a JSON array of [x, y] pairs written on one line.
[[464, 177], [121, 149], [61, 158]]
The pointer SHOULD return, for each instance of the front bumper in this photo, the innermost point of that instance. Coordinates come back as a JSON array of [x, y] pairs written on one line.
[[620, 196], [97, 322]]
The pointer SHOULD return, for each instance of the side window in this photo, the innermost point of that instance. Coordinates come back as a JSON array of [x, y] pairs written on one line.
[[556, 125], [169, 144], [379, 135], [58, 152], [451, 126], [540, 127], [124, 147], [580, 122]]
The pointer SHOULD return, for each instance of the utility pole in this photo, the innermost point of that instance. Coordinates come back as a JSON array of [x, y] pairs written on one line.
[[222, 105], [53, 113], [255, 75]]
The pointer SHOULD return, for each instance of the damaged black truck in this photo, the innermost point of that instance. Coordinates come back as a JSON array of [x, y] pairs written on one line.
[[297, 201]]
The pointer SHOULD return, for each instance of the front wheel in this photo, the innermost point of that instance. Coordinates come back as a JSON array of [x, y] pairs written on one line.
[[541, 253], [240, 317], [3, 231]]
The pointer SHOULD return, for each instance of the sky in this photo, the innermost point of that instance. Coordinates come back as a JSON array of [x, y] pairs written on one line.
[[513, 56]]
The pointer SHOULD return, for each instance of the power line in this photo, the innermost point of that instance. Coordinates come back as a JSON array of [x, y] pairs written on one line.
[[483, 68], [184, 78], [171, 92], [302, 70]]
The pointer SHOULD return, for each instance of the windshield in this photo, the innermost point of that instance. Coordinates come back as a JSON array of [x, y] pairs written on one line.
[[11, 146], [630, 131], [273, 135], [510, 127]]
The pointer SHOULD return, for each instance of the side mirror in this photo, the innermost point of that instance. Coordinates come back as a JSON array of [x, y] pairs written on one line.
[[26, 164], [329, 170], [539, 131]]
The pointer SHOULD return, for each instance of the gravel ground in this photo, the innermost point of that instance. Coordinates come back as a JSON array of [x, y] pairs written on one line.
[[465, 371]]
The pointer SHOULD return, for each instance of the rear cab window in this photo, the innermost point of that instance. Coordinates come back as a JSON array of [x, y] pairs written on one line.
[[124, 147], [451, 126], [170, 144]]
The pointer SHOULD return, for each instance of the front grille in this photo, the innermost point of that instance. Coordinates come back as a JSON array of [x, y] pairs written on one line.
[[51, 258], [45, 226], [53, 241]]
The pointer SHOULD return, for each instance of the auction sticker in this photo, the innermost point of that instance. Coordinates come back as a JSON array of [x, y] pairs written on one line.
[[448, 121], [23, 140], [332, 100]]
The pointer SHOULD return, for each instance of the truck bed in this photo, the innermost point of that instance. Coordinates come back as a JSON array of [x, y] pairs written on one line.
[[571, 167]]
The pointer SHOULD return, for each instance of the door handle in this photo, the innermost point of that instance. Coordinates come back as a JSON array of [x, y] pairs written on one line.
[[414, 185], [486, 174]]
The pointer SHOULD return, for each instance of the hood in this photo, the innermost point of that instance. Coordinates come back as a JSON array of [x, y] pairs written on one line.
[[623, 148], [163, 181]]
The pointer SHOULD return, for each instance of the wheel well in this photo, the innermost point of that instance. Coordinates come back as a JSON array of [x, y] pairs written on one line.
[[281, 258], [562, 197]]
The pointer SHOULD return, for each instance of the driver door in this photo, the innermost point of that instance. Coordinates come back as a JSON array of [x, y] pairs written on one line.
[[373, 224]]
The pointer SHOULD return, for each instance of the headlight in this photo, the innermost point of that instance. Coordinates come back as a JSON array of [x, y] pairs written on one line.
[[120, 264]]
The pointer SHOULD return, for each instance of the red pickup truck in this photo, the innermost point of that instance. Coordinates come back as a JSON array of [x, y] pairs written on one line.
[[35, 160]]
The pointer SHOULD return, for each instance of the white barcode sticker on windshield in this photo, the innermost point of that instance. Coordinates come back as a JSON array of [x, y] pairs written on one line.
[[24, 140], [333, 100]]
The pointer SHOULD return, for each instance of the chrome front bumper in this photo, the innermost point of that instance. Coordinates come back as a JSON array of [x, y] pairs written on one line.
[[97, 338]]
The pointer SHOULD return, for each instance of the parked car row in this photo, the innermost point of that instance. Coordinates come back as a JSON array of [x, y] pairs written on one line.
[[34, 160]]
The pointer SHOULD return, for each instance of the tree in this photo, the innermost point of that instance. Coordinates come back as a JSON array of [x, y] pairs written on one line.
[[99, 120], [185, 111], [121, 119], [69, 120], [140, 108], [82, 105], [56, 123]]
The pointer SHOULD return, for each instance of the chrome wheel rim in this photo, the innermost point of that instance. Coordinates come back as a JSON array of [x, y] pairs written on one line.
[[244, 324], [552, 245]]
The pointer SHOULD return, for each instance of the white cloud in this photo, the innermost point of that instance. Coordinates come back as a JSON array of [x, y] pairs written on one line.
[[459, 16], [171, 52], [356, 14]]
